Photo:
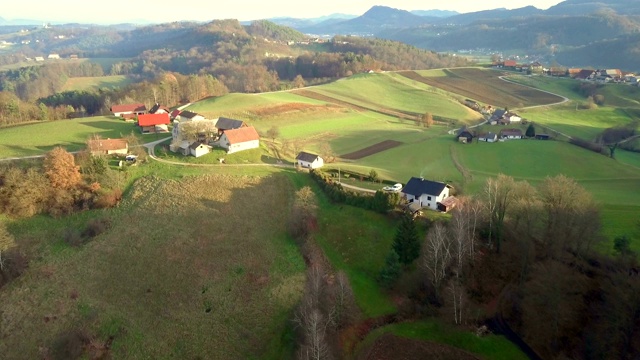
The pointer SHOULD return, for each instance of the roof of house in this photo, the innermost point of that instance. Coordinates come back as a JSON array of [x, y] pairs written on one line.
[[107, 144], [419, 186], [488, 135], [188, 114], [498, 114], [236, 136], [128, 108], [157, 107], [195, 145], [465, 133], [584, 74], [227, 124], [307, 157], [450, 201], [510, 63], [511, 132], [175, 113], [153, 119]]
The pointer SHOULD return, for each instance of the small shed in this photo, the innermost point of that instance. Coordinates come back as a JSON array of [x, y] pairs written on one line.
[[465, 137], [198, 149]]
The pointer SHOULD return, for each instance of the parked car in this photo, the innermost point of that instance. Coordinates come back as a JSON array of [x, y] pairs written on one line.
[[394, 188]]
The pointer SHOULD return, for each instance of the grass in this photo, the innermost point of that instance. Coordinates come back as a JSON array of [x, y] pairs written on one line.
[[151, 285], [490, 347], [386, 91], [95, 83], [357, 241], [38, 138]]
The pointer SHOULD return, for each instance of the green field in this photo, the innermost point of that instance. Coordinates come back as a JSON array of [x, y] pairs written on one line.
[[38, 138], [190, 267], [488, 347], [95, 83]]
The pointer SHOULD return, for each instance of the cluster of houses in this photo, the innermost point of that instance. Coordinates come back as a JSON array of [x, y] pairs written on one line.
[[598, 75], [466, 137]]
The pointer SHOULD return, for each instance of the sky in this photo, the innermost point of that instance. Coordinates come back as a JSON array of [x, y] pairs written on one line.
[[121, 11]]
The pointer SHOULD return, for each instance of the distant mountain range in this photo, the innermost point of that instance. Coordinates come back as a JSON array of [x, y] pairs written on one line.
[[578, 27]]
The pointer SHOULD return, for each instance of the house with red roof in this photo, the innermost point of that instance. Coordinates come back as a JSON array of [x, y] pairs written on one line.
[[128, 109], [153, 123], [240, 139], [107, 146]]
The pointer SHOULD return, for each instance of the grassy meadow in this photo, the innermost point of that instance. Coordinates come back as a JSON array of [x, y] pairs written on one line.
[[191, 279], [38, 138], [96, 82]]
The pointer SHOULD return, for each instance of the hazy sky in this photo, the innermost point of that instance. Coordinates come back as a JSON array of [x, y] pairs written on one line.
[[119, 11]]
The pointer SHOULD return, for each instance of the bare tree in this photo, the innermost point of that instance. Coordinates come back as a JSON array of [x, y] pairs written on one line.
[[342, 300], [273, 133], [498, 194], [311, 320], [437, 255]]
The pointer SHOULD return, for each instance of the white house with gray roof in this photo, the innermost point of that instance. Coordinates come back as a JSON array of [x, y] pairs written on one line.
[[426, 193]]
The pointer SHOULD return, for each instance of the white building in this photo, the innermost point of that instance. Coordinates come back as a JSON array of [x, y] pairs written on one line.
[[426, 193], [308, 160], [244, 138]]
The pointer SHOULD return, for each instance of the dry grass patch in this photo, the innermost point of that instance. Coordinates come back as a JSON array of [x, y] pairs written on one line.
[[197, 268]]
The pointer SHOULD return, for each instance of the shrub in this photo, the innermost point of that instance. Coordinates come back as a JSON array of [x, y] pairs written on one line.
[[96, 227], [109, 199], [14, 263], [72, 237]]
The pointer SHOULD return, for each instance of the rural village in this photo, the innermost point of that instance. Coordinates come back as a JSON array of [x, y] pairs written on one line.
[[253, 190]]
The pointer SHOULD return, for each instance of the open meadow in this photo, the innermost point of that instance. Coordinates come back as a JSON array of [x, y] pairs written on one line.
[[96, 82], [196, 268], [38, 138]]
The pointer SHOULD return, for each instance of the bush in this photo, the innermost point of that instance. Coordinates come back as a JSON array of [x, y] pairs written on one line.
[[72, 237], [14, 264], [96, 227], [109, 199]]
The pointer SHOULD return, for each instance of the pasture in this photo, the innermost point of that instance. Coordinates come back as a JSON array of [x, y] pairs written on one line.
[[38, 138], [484, 86], [181, 273], [95, 83]]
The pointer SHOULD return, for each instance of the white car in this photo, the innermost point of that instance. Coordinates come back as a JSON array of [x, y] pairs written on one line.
[[395, 188]]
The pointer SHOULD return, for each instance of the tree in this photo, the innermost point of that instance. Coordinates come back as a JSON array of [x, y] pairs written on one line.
[[437, 255], [406, 243], [298, 81], [373, 175], [61, 169], [621, 244], [427, 119], [391, 270], [498, 194], [531, 131], [273, 133]]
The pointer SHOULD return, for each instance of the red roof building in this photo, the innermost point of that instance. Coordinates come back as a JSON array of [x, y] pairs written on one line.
[[153, 119], [509, 63]]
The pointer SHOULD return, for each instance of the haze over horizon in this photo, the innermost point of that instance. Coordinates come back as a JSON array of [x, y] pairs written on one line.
[[123, 11]]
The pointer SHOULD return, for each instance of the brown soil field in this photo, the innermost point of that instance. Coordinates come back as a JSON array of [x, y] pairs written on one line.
[[485, 86], [373, 149], [391, 347], [280, 109]]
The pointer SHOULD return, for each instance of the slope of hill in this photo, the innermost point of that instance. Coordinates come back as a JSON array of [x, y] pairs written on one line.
[[581, 7], [376, 18]]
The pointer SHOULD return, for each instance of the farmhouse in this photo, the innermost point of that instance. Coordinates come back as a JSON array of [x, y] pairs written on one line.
[[497, 116], [159, 109], [128, 109], [153, 123], [53, 56], [198, 149], [488, 137], [189, 116], [225, 124], [510, 134], [585, 75], [235, 140], [465, 137], [308, 160], [108, 146], [174, 114], [426, 193]]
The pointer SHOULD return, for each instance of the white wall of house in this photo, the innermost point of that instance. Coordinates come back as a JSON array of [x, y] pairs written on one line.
[[317, 163], [123, 151], [233, 148], [202, 149], [195, 118], [431, 201], [514, 118]]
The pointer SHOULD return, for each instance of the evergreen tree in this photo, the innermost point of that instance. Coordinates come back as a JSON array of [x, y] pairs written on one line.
[[406, 243], [391, 270], [531, 131]]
